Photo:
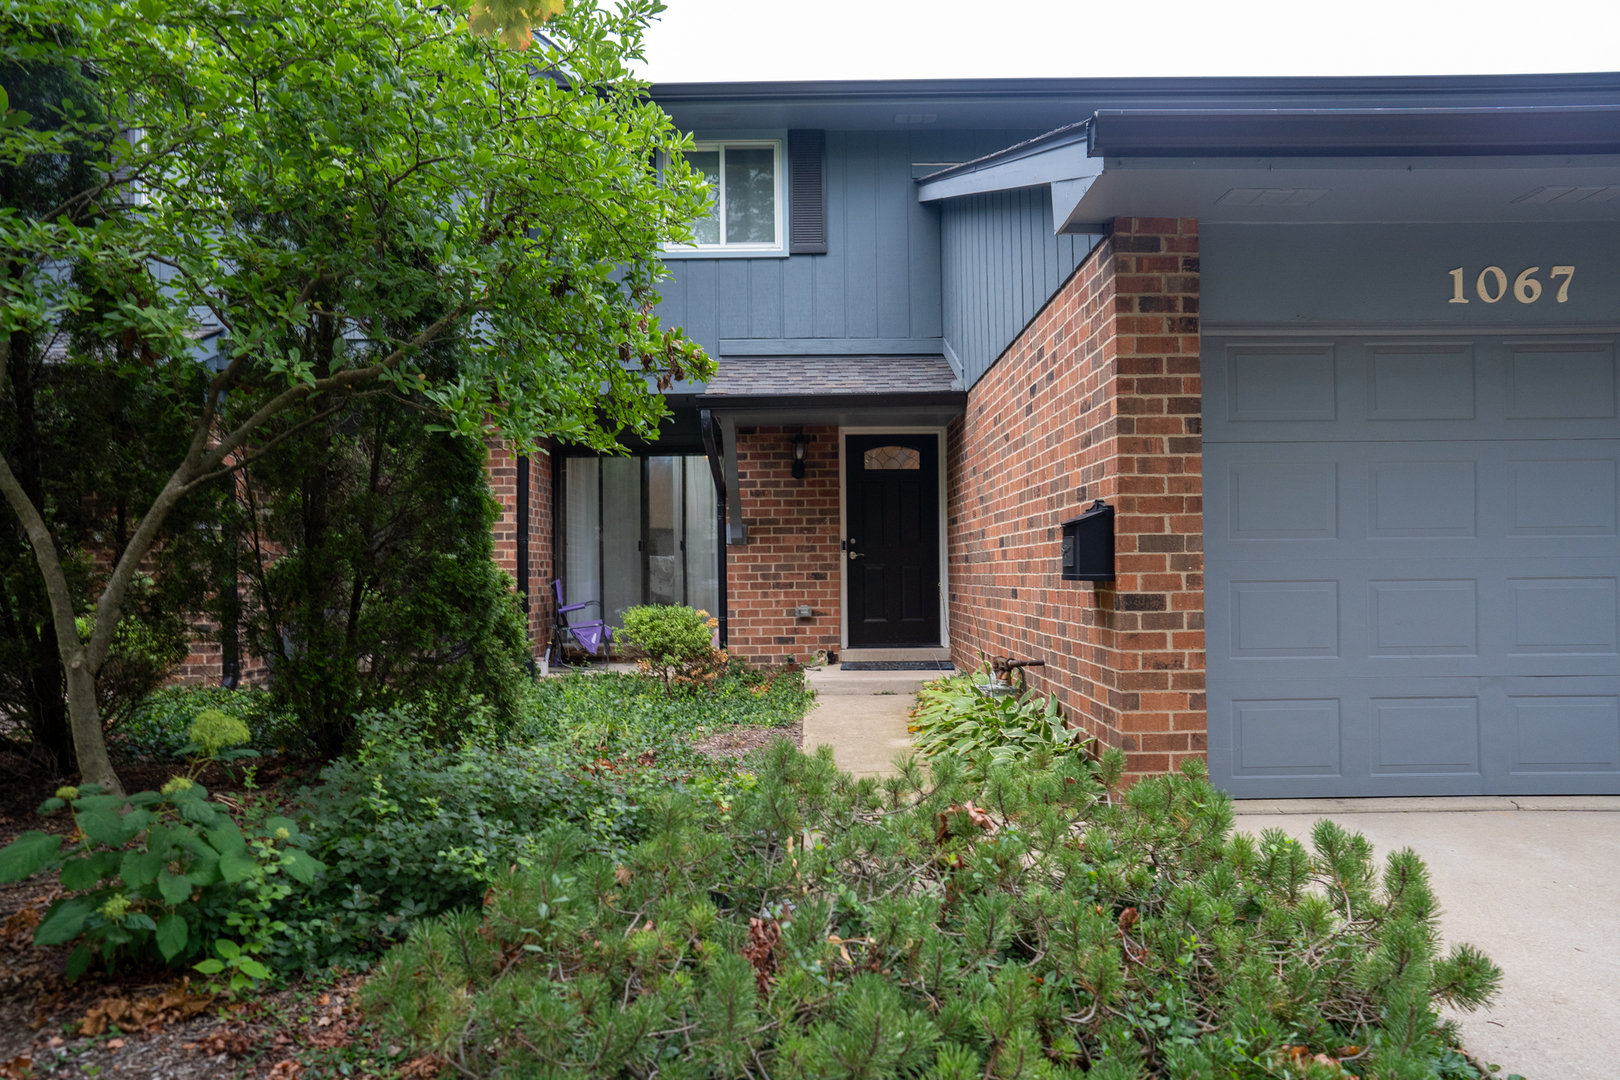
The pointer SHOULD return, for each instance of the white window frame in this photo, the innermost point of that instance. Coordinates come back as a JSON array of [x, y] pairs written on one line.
[[778, 170]]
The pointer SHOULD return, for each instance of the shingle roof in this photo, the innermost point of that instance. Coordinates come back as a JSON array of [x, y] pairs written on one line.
[[816, 376]]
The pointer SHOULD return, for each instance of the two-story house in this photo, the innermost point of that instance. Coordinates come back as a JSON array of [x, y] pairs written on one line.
[[1339, 354]]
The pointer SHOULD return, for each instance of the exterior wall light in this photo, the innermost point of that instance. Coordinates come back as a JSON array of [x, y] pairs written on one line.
[[1088, 545], [801, 444]]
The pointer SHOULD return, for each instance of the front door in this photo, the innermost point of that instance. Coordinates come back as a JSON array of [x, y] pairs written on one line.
[[891, 550]]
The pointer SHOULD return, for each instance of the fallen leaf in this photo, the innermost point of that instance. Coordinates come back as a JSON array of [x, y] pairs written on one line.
[[115, 1044], [18, 1068]]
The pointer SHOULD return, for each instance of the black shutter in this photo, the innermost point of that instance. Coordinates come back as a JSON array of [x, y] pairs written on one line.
[[807, 193]]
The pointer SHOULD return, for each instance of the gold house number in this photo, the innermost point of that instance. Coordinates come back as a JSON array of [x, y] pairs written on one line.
[[1492, 284]]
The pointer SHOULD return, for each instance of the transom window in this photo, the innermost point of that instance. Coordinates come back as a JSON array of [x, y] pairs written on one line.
[[891, 457], [745, 179]]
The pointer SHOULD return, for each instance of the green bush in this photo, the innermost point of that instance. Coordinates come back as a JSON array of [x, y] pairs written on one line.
[[1019, 925], [953, 716], [159, 727], [166, 874], [678, 641]]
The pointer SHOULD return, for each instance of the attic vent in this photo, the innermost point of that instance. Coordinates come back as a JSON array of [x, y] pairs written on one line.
[[807, 193], [1571, 195], [1271, 196]]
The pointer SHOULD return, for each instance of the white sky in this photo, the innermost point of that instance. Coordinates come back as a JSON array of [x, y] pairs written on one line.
[[734, 40]]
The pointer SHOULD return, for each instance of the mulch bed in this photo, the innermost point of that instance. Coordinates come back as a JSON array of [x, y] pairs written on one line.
[[739, 742]]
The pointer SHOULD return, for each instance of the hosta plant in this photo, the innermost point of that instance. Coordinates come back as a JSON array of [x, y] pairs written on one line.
[[168, 874], [953, 716]]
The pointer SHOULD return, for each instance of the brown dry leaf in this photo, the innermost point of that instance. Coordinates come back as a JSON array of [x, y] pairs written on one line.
[[115, 1044], [284, 1070], [422, 1068], [18, 1068], [621, 874], [760, 951], [1127, 919], [25, 919], [171, 1006]]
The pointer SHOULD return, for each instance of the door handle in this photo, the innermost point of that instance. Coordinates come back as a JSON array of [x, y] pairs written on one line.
[[856, 554]]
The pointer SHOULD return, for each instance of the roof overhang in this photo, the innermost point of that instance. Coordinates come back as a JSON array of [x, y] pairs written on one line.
[[1278, 166], [839, 410]]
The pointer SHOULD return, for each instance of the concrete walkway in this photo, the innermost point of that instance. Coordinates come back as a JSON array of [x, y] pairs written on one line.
[[862, 716], [1535, 883]]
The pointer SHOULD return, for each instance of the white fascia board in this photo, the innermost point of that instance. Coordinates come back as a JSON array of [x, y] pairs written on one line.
[[1067, 161]]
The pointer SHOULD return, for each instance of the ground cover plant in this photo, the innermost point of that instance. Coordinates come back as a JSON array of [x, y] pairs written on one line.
[[954, 716], [1022, 923]]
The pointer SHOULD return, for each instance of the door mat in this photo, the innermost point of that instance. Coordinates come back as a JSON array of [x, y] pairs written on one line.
[[897, 665]]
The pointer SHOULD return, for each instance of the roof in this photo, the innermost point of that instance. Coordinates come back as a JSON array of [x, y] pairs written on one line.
[[1034, 105], [794, 381]]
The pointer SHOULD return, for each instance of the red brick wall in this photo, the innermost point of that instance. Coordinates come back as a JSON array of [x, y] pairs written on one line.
[[1098, 398], [502, 470], [791, 557]]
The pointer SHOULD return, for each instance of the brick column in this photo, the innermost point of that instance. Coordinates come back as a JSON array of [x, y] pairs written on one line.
[[791, 557], [501, 467], [1098, 398]]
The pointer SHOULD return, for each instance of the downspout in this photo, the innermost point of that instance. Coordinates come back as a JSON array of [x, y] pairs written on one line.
[[716, 470]]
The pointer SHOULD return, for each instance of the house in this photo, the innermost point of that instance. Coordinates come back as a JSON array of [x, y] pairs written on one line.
[[1338, 353]]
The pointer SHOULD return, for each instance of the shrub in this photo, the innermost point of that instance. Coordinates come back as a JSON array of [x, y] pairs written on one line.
[[1018, 925], [678, 641], [952, 716], [160, 726], [165, 874]]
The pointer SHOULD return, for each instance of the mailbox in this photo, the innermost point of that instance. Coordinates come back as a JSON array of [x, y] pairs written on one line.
[[1088, 545]]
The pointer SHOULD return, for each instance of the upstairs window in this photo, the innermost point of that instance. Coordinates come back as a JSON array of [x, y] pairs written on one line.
[[745, 179]]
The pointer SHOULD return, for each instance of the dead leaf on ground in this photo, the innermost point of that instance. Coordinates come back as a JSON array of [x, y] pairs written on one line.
[[24, 920], [18, 1068], [176, 1003]]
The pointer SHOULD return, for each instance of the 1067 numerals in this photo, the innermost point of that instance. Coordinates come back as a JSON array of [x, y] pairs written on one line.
[[1492, 284]]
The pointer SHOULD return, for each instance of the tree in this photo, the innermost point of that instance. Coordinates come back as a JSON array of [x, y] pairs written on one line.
[[336, 185], [369, 579]]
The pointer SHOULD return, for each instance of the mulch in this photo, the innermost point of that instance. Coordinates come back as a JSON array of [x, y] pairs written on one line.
[[739, 742]]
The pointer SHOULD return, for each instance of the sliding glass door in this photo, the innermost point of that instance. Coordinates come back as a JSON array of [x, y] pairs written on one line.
[[640, 530]]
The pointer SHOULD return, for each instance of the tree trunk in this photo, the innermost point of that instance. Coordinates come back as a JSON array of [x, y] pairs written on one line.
[[84, 716]]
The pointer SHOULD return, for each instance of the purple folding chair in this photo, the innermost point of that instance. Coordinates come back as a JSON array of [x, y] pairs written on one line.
[[591, 636]]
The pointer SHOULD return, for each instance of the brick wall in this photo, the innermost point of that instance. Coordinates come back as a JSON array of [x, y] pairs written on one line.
[[792, 554], [502, 470], [1098, 398]]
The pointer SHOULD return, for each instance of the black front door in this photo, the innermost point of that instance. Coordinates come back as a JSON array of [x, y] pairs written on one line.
[[892, 546]]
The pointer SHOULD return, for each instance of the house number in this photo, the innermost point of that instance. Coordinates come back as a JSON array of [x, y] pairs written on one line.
[[1492, 284]]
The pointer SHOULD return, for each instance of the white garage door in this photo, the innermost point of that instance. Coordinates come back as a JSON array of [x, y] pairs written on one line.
[[1411, 565]]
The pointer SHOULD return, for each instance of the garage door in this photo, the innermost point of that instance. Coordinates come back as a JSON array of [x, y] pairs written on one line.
[[1411, 565]]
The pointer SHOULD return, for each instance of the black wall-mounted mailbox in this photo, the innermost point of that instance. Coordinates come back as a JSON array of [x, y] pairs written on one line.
[[1088, 545]]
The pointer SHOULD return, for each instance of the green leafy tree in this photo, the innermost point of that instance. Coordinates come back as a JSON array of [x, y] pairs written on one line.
[[338, 185]]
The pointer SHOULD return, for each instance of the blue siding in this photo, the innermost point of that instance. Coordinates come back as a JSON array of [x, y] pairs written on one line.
[[1001, 263], [879, 287]]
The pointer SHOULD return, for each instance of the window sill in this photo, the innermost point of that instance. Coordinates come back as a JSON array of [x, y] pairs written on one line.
[[780, 252]]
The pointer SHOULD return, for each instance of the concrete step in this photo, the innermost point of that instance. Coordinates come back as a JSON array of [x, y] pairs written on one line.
[[937, 654]]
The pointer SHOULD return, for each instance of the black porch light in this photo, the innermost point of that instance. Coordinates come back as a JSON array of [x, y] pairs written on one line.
[[801, 444]]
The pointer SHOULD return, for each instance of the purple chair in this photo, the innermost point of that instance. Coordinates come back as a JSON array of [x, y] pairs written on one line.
[[592, 636]]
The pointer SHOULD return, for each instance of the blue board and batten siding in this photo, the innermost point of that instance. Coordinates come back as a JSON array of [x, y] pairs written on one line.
[[878, 289], [1001, 265]]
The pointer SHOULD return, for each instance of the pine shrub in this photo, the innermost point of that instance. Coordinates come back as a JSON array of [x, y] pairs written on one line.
[[1019, 922]]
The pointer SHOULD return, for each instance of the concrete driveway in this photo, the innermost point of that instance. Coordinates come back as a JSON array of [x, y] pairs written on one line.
[[1535, 882]]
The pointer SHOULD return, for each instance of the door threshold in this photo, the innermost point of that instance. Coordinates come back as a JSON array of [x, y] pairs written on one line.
[[936, 653]]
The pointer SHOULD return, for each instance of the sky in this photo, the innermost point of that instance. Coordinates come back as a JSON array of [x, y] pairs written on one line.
[[737, 40]]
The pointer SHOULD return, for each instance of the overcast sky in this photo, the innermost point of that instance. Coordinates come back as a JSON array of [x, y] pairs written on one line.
[[731, 40]]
